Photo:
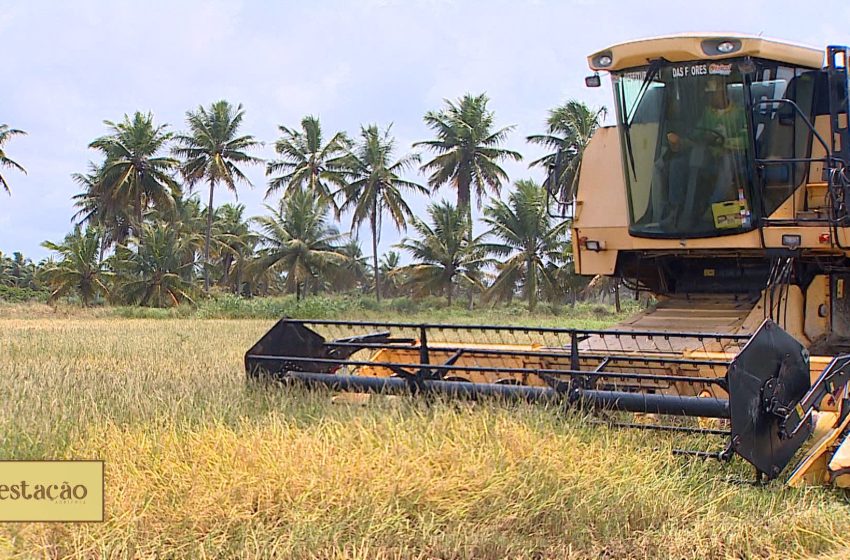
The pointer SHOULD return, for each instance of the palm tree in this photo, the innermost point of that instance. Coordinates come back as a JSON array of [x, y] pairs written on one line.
[[6, 134], [188, 220], [468, 150], [154, 273], [234, 242], [79, 268], [392, 273], [6, 277], [526, 241], [98, 208], [567, 284], [444, 251], [132, 175], [306, 161], [375, 186], [568, 131], [211, 152], [353, 269], [298, 241], [18, 271]]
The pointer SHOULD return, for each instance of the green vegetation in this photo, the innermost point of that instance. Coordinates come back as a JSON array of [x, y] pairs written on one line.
[[133, 177], [298, 242], [444, 253], [569, 129], [142, 238], [467, 150], [7, 134], [13, 294], [375, 187], [527, 240], [79, 270], [212, 151], [307, 163], [200, 465]]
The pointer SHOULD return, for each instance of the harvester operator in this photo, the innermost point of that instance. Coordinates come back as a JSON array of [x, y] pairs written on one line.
[[715, 157]]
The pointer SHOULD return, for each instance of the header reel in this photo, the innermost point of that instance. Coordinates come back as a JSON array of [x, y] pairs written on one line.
[[760, 383]]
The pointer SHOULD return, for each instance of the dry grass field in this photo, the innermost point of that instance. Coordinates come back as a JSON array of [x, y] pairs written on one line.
[[198, 465]]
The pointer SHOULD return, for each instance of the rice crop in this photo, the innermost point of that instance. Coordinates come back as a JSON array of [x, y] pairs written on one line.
[[200, 464]]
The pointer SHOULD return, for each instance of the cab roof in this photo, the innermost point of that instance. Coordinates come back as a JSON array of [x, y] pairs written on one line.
[[703, 46]]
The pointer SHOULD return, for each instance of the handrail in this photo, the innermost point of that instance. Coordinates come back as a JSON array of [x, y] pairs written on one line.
[[803, 116], [829, 159]]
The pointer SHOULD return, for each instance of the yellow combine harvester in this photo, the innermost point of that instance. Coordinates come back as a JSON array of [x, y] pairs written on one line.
[[723, 191]]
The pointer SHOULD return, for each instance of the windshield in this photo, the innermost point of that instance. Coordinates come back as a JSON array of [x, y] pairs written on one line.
[[686, 141]]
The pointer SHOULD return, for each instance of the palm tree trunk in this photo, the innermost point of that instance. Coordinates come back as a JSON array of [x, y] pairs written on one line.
[[463, 201], [139, 217], [532, 285], [101, 249], [207, 240], [238, 287], [374, 224], [227, 262]]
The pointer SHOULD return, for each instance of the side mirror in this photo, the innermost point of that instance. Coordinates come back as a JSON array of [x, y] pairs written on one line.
[[593, 81]]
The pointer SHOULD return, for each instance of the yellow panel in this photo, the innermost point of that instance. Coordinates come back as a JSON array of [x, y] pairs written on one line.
[[816, 168], [812, 469], [596, 262], [817, 294], [810, 237], [601, 196], [817, 196]]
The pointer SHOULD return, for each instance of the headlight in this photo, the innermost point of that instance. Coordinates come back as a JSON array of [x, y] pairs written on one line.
[[715, 47], [603, 60], [726, 47]]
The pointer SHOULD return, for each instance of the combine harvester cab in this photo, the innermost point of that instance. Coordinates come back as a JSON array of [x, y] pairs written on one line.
[[760, 384]]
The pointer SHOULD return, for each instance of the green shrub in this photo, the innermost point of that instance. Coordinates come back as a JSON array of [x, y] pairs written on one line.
[[13, 294], [405, 305], [402, 309], [229, 306]]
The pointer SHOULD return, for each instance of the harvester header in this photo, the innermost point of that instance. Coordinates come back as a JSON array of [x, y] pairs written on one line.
[[760, 384]]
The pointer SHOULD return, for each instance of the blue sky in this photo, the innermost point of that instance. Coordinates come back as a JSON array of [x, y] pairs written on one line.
[[67, 66]]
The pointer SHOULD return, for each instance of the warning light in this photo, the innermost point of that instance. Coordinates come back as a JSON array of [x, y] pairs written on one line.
[[824, 238]]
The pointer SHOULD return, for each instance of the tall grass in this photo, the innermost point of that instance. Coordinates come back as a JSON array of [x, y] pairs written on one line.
[[199, 464], [228, 306]]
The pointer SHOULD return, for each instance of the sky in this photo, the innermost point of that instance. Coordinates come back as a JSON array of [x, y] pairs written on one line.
[[68, 66]]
